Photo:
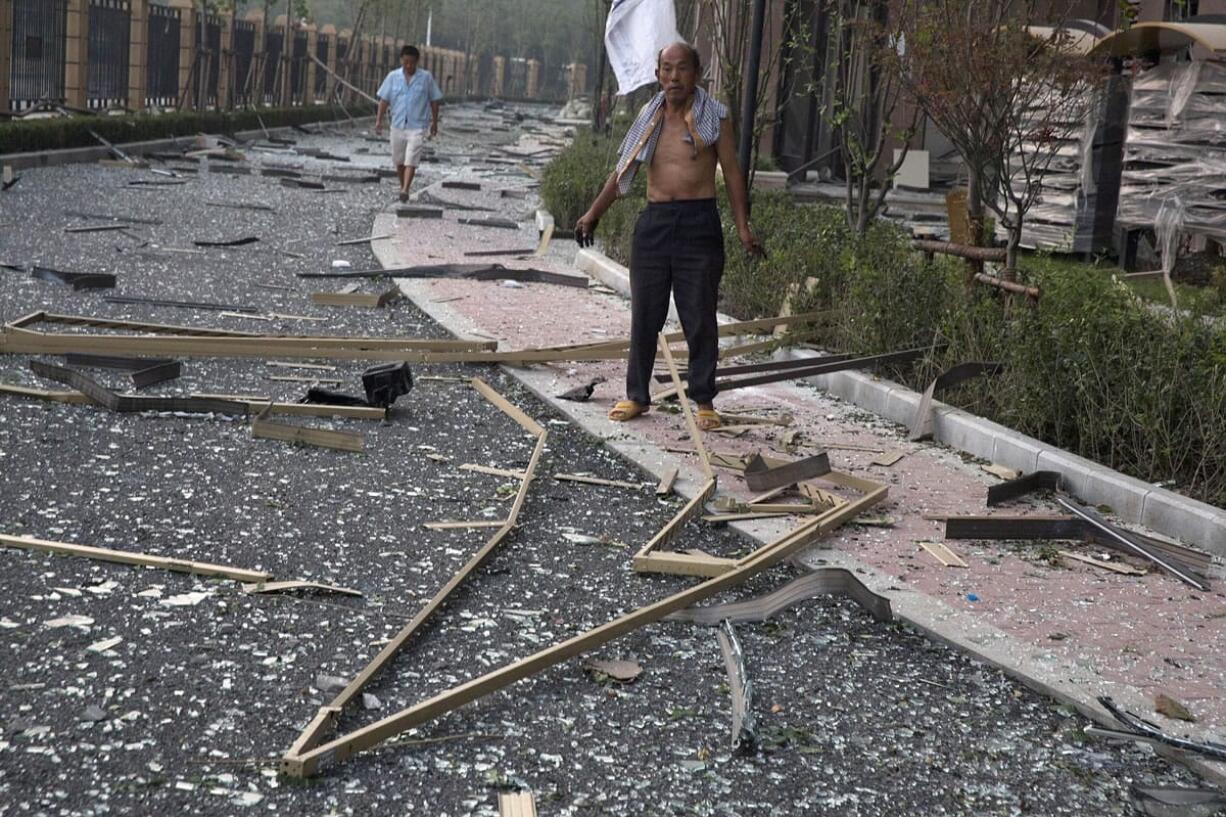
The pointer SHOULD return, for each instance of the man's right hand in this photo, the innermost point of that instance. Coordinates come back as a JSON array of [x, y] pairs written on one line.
[[378, 128], [585, 229]]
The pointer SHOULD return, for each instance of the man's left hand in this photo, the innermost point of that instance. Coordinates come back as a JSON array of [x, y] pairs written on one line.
[[750, 242], [433, 129]]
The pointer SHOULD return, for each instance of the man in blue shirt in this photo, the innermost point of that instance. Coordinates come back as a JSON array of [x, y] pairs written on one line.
[[412, 95]]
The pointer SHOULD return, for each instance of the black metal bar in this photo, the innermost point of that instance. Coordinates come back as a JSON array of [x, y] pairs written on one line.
[[1012, 489], [1014, 527], [104, 397], [819, 368], [76, 280], [1127, 540], [760, 477], [921, 423], [769, 366], [1144, 727]]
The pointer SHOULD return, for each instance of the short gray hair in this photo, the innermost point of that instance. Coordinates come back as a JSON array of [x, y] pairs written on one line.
[[693, 52]]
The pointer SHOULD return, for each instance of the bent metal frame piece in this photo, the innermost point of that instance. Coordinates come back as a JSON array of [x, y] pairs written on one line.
[[302, 762], [325, 720]]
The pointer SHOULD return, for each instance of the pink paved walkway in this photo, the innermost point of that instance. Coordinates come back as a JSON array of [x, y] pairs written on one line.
[[1149, 632]]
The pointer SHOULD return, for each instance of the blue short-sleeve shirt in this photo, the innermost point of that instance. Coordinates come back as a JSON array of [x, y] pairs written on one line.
[[409, 99]]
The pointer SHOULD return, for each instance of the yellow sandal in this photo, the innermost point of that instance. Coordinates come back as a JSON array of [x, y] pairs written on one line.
[[709, 419], [624, 410]]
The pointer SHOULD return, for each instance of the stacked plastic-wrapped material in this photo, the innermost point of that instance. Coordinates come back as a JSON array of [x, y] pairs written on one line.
[[1175, 154], [1050, 222]]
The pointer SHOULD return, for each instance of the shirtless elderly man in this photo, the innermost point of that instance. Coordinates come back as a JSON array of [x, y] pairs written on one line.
[[678, 238]]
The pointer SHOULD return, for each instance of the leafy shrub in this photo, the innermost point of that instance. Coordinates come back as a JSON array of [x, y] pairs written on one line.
[[801, 242], [20, 136], [572, 180]]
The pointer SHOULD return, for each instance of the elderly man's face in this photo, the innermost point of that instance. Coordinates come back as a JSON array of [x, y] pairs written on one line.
[[676, 73], [408, 62]]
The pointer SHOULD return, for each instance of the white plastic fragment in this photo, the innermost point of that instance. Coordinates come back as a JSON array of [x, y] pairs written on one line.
[[82, 622], [186, 599], [105, 644]]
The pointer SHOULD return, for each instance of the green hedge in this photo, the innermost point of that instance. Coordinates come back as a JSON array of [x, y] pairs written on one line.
[[22, 136], [1092, 367]]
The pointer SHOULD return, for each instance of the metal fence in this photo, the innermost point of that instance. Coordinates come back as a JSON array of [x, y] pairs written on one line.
[[110, 28], [211, 72], [162, 62], [298, 68], [39, 28], [321, 76], [272, 64], [243, 49]]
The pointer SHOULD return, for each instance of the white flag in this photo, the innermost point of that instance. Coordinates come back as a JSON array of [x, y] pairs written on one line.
[[634, 34]]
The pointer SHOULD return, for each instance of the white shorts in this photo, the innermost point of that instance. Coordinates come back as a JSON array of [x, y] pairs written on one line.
[[408, 146]]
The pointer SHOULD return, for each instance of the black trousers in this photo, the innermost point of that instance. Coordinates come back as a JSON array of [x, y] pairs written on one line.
[[678, 249]]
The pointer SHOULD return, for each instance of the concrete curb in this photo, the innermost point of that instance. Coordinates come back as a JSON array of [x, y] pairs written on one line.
[[1131, 499], [68, 156], [1068, 681]]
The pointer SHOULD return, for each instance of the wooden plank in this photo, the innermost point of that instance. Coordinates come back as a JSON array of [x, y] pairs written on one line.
[[546, 237], [516, 804], [309, 763], [130, 558], [484, 523], [943, 554], [372, 300], [724, 518], [257, 588], [690, 423], [326, 717], [1117, 567], [668, 481], [889, 458], [338, 440], [494, 472], [281, 364], [71, 396], [769, 495], [611, 483], [295, 378], [683, 564]]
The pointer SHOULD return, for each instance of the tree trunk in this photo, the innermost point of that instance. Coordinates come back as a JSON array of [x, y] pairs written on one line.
[[974, 217], [1015, 240]]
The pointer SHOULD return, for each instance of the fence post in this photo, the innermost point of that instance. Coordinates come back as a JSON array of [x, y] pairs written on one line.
[[499, 78], [309, 67], [534, 79], [76, 53], [187, 50], [6, 53], [225, 55], [138, 54], [256, 18], [284, 92], [334, 42]]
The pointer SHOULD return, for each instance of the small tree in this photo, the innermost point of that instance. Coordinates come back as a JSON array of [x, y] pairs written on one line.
[[865, 95], [1007, 93]]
